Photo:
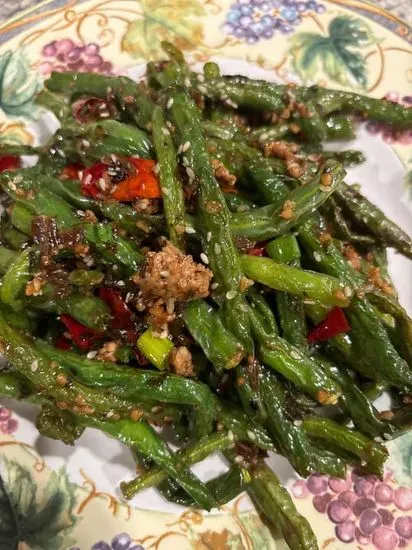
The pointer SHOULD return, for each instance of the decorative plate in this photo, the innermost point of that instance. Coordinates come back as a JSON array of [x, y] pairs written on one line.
[[55, 497]]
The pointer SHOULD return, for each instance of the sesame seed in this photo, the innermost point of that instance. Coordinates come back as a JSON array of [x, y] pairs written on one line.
[[251, 435], [204, 258], [217, 248], [114, 157], [18, 179], [104, 114], [347, 291], [297, 422], [187, 82], [179, 149], [120, 283], [186, 146], [80, 213], [110, 414], [219, 427], [230, 294], [169, 103], [115, 267], [230, 435], [164, 334], [164, 274], [85, 143], [170, 305], [189, 229], [264, 136], [243, 208], [202, 89], [185, 161], [214, 286], [165, 131], [165, 191], [52, 151], [200, 77], [91, 354], [208, 236], [128, 296], [238, 459], [317, 257], [34, 366], [388, 437], [231, 103], [12, 186], [102, 184], [190, 173], [294, 354], [156, 168]]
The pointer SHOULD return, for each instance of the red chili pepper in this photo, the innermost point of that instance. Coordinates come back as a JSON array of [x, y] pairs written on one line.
[[122, 315], [9, 162], [72, 171], [62, 343], [334, 323], [90, 178], [258, 250], [142, 184], [90, 109], [83, 337]]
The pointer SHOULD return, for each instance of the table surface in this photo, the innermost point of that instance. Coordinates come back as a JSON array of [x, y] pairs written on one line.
[[400, 8]]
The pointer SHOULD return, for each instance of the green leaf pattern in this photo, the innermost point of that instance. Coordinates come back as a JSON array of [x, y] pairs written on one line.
[[42, 521], [335, 53], [19, 85], [164, 20]]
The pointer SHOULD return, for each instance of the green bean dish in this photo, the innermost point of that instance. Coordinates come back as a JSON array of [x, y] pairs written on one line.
[[183, 261]]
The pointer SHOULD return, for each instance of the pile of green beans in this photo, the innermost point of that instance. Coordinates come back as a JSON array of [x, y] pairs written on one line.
[[288, 242]]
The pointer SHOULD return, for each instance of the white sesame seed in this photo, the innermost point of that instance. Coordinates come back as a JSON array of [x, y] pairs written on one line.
[[187, 82], [238, 459], [102, 184], [115, 267], [297, 422], [85, 143], [186, 146], [294, 354], [347, 291], [243, 208], [189, 229], [179, 149], [169, 103], [165, 191], [170, 305], [18, 179], [80, 213], [104, 114], [156, 168], [165, 131], [109, 414], [204, 258], [388, 437], [114, 157], [230, 294], [164, 274], [128, 296], [202, 89], [164, 334], [230, 435], [91, 354], [12, 186], [251, 435], [217, 248], [185, 161], [190, 173], [214, 286], [200, 77], [120, 283], [264, 136], [34, 366], [317, 256], [208, 236], [231, 103]]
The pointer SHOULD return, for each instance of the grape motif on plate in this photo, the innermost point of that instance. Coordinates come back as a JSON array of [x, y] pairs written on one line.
[[362, 508], [65, 55], [8, 425], [254, 20], [389, 134]]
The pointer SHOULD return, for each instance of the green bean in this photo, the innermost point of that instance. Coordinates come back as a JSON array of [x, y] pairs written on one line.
[[172, 191], [212, 210], [372, 454], [84, 277], [339, 127], [270, 186], [14, 281], [13, 237], [273, 220], [190, 455], [370, 216], [279, 509], [88, 310], [21, 218], [308, 284], [56, 103], [219, 345], [7, 257]]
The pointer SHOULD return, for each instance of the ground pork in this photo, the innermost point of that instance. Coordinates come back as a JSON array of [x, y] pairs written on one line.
[[181, 363], [222, 174], [172, 274]]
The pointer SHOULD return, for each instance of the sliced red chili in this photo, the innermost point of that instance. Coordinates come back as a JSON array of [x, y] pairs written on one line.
[[122, 316], [141, 183], [62, 343], [91, 177], [72, 171], [90, 109], [83, 337], [9, 162], [334, 323], [258, 250]]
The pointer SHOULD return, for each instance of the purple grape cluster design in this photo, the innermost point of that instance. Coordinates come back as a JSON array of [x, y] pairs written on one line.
[[387, 133], [122, 541], [254, 20], [8, 425], [65, 55], [362, 508]]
